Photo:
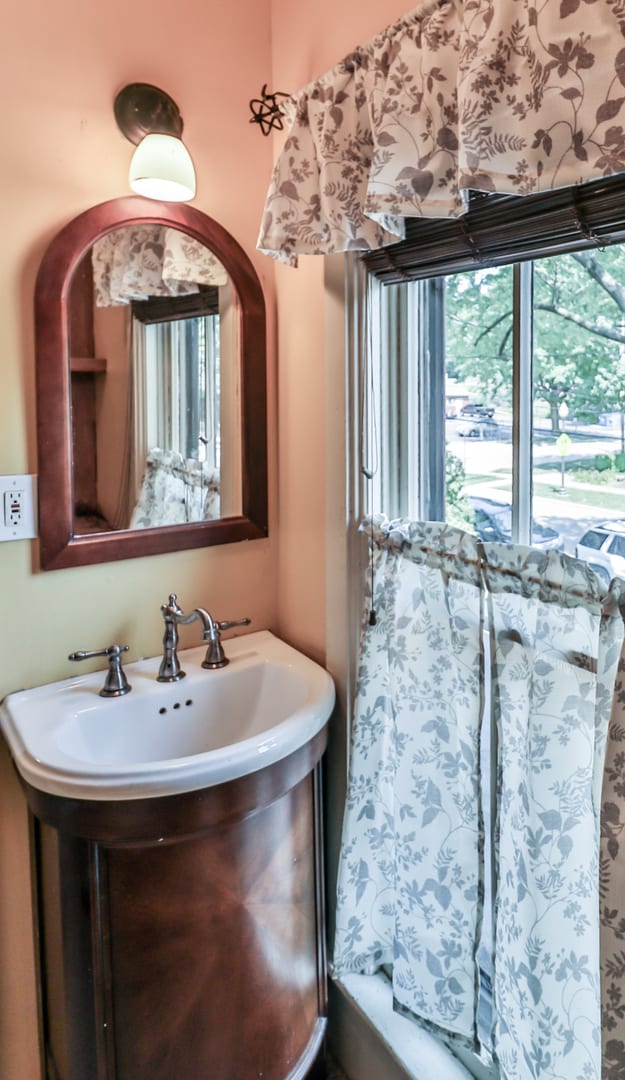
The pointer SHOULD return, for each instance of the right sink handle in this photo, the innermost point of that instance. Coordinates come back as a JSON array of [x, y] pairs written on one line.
[[229, 624], [215, 655]]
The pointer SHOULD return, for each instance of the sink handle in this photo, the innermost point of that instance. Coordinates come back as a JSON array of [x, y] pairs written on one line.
[[215, 655], [115, 684], [229, 624]]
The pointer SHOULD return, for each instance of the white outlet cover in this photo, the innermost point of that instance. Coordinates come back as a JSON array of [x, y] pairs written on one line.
[[27, 530]]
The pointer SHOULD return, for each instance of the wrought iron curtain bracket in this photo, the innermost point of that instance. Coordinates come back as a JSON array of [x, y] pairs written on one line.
[[267, 112]]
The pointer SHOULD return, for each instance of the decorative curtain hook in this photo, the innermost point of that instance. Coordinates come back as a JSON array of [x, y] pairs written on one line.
[[267, 112]]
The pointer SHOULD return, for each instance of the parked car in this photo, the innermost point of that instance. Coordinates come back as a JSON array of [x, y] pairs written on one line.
[[603, 548], [479, 428], [487, 411], [493, 521]]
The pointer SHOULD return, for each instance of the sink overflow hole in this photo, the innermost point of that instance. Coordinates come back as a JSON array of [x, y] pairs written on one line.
[[176, 705]]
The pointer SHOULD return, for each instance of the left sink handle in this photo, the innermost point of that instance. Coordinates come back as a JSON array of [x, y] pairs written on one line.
[[115, 684]]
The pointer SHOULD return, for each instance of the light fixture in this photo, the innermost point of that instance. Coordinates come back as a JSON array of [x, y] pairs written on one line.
[[161, 167]]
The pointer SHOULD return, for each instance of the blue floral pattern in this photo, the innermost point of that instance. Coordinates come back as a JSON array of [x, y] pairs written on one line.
[[554, 660], [410, 874], [409, 887]]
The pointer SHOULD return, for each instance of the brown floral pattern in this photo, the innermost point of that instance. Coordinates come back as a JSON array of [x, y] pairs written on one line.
[[612, 890], [491, 95]]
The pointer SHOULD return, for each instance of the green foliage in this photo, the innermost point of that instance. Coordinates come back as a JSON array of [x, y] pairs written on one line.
[[603, 462], [619, 462], [585, 473], [579, 333], [457, 510]]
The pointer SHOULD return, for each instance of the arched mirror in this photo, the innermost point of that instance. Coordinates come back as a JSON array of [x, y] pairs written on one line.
[[151, 386]]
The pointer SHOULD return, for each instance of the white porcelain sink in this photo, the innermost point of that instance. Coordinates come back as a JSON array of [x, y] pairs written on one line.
[[163, 738]]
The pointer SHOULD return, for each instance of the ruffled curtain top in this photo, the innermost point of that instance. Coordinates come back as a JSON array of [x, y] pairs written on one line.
[[138, 261], [488, 95]]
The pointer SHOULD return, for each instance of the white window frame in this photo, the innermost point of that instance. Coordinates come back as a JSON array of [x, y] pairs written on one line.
[[404, 411]]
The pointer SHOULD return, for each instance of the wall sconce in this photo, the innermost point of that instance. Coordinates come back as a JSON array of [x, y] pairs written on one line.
[[161, 167]]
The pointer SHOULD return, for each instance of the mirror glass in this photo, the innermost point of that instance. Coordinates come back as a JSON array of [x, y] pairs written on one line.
[[154, 359], [151, 386]]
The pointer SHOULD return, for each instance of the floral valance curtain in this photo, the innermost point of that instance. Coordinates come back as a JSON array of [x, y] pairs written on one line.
[[139, 261], [521, 645], [512, 96]]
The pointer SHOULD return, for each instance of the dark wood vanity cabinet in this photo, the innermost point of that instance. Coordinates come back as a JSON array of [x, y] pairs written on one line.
[[181, 938]]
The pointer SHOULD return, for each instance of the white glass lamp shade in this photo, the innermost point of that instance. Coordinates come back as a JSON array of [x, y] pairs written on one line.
[[161, 168]]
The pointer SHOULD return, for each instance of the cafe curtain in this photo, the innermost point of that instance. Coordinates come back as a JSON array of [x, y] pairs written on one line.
[[486, 95], [141, 261], [410, 887]]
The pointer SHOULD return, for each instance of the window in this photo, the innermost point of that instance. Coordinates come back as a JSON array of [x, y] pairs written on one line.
[[181, 376], [176, 381], [495, 394], [498, 402], [593, 539]]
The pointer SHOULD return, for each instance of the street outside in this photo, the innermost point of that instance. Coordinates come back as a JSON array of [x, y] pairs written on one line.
[[489, 462]]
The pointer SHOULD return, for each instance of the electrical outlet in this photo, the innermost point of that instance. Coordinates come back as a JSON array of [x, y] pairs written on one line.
[[17, 508], [13, 508]]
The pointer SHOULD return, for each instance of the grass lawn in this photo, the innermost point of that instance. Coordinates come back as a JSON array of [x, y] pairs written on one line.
[[480, 478], [601, 498]]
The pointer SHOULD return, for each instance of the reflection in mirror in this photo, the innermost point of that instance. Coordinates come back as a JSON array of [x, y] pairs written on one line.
[[151, 386], [154, 383]]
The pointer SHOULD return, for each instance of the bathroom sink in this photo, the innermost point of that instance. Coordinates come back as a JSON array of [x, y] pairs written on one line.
[[165, 738]]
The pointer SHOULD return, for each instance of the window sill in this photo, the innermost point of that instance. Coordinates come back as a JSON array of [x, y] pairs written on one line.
[[413, 1052]]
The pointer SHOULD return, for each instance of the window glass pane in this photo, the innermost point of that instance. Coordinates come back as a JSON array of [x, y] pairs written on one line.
[[579, 398], [182, 386], [478, 401], [617, 546], [593, 539]]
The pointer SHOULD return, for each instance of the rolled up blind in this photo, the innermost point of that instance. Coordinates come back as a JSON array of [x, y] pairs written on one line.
[[499, 229]]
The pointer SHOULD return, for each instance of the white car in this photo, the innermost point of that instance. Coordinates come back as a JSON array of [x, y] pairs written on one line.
[[493, 521], [480, 427], [603, 548]]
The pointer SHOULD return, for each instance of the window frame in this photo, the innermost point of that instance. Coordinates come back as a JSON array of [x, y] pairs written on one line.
[[497, 230]]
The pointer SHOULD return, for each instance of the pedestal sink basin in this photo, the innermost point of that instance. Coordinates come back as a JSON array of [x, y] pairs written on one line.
[[167, 738]]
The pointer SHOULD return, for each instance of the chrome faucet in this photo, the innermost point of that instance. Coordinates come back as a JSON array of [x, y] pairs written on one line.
[[173, 617]]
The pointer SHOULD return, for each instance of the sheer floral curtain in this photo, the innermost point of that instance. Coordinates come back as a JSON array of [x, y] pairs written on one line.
[[410, 877], [139, 261], [175, 490], [489, 95], [409, 891], [556, 641]]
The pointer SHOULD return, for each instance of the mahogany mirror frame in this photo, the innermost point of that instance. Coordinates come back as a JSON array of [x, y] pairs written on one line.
[[59, 546]]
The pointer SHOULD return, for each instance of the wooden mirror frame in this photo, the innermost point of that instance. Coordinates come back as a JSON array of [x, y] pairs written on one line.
[[59, 546]]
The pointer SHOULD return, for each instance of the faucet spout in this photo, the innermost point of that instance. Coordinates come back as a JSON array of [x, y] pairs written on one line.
[[201, 615], [173, 617]]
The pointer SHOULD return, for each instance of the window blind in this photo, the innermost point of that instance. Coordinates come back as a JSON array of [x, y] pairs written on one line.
[[499, 229], [158, 309]]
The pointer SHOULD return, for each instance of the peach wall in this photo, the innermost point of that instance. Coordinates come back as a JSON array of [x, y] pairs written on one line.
[[60, 68]]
